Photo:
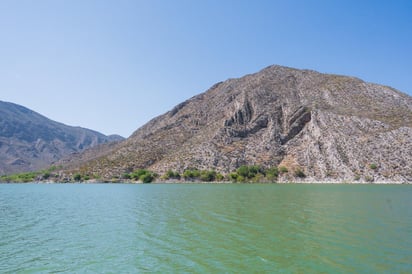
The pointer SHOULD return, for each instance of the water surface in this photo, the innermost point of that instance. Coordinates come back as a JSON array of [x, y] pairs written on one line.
[[120, 228]]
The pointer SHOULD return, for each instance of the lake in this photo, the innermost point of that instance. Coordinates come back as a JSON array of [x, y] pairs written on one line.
[[205, 228]]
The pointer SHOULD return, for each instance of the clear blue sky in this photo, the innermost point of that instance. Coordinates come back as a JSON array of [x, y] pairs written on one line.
[[113, 65]]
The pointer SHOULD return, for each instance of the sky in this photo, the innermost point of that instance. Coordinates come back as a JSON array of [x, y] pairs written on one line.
[[111, 66]]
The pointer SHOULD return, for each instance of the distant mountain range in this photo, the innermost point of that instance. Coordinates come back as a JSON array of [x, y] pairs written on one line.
[[329, 126], [30, 141]]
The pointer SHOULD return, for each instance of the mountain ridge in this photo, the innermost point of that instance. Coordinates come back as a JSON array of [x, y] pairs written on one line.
[[330, 126], [30, 141]]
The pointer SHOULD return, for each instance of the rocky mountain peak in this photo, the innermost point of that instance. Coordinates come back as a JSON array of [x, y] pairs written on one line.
[[30, 141], [330, 126]]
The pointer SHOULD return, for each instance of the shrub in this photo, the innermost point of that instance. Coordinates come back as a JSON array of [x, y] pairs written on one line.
[[77, 177], [373, 166], [170, 174], [196, 173], [249, 172], [259, 177], [233, 177], [207, 175], [46, 175], [219, 177], [138, 173], [187, 174], [243, 171], [126, 176], [299, 173], [144, 175], [147, 178], [20, 177], [190, 174], [272, 173], [54, 168], [283, 169], [255, 170]]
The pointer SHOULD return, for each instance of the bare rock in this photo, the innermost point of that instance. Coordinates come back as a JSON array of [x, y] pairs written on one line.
[[330, 126]]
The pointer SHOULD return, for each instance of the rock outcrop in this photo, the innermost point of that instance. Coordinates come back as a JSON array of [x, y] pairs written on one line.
[[332, 127], [30, 141]]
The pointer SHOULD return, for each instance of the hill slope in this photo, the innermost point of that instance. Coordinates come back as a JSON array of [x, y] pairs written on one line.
[[330, 126], [30, 141]]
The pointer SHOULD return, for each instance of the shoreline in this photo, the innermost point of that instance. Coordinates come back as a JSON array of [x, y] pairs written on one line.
[[178, 182]]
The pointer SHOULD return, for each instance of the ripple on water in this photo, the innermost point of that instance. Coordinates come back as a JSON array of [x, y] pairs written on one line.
[[205, 228]]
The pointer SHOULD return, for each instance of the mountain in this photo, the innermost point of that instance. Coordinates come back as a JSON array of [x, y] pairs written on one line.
[[329, 126], [30, 141]]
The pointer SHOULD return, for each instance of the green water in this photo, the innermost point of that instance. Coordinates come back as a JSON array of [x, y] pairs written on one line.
[[110, 228]]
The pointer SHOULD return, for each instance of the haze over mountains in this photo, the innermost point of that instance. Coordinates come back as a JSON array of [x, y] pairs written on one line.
[[30, 141], [330, 126]]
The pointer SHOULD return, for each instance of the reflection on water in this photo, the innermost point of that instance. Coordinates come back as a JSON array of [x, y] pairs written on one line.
[[205, 228]]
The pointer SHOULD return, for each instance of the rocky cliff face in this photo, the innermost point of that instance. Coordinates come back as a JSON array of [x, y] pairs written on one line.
[[30, 141], [330, 126]]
